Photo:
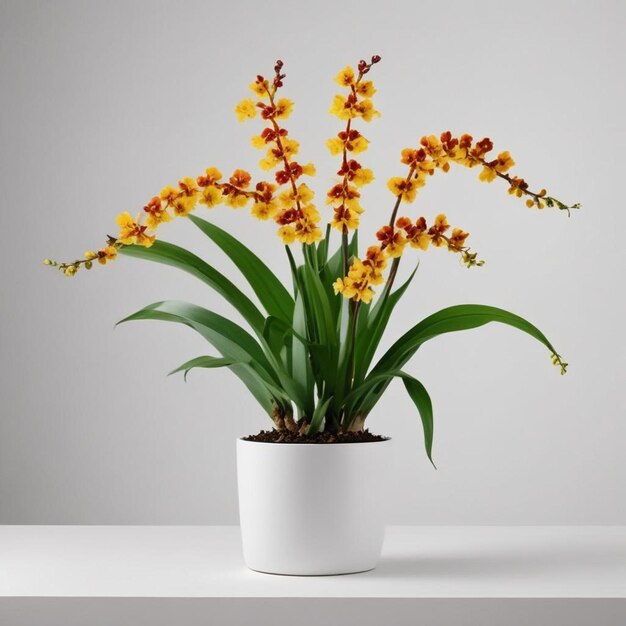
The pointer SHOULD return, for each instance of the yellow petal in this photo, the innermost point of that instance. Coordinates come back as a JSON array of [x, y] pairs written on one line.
[[338, 109], [124, 220], [287, 234], [359, 145], [260, 89], [265, 210], [335, 146], [245, 110], [284, 108], [363, 176], [305, 194], [487, 175], [309, 169], [211, 196], [258, 142], [345, 78]]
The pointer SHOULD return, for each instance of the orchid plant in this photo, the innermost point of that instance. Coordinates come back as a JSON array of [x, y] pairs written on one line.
[[308, 356]]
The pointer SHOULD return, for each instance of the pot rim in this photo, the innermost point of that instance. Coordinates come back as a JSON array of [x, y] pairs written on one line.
[[312, 445]]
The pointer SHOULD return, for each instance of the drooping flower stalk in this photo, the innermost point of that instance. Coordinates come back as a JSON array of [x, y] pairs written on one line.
[[288, 201]]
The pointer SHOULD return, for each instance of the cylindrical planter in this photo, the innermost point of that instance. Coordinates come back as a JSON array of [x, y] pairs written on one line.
[[312, 509]]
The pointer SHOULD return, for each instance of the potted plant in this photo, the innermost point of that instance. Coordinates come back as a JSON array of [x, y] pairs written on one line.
[[309, 353]]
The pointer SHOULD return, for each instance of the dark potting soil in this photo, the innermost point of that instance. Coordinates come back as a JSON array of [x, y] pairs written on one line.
[[287, 436]]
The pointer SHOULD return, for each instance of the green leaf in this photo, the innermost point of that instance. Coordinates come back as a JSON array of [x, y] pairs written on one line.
[[357, 401], [275, 333], [327, 278], [266, 330], [294, 269], [422, 401], [321, 326], [232, 341], [301, 369], [335, 263], [354, 400], [272, 294], [372, 328], [229, 338], [318, 416], [170, 254], [345, 368], [266, 394], [201, 361], [319, 311], [353, 246], [322, 248], [451, 319]]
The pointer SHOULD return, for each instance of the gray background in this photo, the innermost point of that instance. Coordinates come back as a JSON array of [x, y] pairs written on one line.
[[101, 104]]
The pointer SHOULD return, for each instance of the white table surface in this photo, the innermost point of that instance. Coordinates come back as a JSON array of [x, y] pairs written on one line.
[[419, 563]]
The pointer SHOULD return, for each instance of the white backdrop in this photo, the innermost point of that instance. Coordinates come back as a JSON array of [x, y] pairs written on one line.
[[102, 104]]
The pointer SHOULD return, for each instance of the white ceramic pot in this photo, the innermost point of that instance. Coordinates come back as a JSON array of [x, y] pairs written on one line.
[[312, 509]]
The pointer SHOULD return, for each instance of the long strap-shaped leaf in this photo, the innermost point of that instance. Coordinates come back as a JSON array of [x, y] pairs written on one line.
[[318, 416], [266, 394], [320, 320], [232, 341], [372, 328], [300, 366], [318, 307], [360, 397], [170, 254], [451, 319], [417, 392], [272, 294], [332, 270], [201, 361]]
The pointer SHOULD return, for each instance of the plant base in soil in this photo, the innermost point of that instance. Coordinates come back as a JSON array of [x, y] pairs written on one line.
[[287, 436]]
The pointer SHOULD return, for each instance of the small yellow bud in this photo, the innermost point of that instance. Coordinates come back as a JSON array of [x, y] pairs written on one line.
[[530, 204], [90, 254], [47, 262], [88, 265], [543, 192], [70, 270]]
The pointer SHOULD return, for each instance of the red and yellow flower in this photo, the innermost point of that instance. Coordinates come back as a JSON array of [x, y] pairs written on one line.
[[132, 232], [356, 285], [289, 202], [344, 196], [157, 213]]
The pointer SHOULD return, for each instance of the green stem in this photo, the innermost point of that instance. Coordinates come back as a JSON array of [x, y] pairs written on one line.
[[395, 210], [392, 276], [344, 251], [351, 339], [355, 318]]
